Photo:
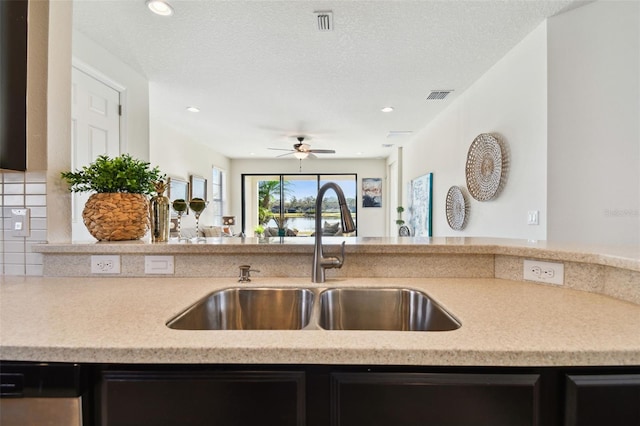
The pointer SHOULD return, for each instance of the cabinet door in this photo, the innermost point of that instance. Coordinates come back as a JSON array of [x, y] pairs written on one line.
[[603, 400], [202, 398], [13, 84], [402, 399]]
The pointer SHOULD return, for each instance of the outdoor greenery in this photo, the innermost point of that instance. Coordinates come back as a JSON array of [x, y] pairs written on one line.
[[119, 174], [269, 205], [268, 190]]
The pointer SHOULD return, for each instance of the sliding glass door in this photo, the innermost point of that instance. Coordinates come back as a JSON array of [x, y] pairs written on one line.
[[286, 204], [330, 214], [299, 203]]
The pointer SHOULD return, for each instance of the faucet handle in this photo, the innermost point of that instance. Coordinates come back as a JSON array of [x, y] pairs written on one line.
[[245, 273], [341, 259]]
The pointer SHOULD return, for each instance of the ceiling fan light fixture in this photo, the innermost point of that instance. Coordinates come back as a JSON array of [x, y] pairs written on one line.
[[300, 155], [160, 7]]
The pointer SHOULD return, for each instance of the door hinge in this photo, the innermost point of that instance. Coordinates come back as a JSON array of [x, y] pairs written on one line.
[[119, 109]]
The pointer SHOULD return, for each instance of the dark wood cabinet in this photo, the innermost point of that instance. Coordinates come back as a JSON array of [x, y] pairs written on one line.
[[353, 395], [13, 84], [602, 400], [233, 398], [404, 399]]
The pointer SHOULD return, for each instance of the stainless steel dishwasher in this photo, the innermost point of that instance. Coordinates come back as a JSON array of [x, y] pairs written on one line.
[[40, 394]]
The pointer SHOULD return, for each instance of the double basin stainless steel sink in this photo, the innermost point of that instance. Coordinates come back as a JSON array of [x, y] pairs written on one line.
[[353, 308]]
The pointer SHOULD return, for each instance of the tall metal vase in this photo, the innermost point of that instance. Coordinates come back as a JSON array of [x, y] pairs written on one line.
[[159, 210]]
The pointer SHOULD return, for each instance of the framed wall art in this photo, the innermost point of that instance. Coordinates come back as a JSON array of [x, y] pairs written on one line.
[[371, 192], [178, 189], [422, 205], [198, 187]]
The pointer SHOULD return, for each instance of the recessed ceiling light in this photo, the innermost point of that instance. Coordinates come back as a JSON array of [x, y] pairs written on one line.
[[358, 153], [160, 7], [387, 109], [193, 109]]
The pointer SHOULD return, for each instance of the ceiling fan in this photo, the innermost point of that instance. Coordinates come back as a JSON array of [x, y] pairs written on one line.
[[303, 150]]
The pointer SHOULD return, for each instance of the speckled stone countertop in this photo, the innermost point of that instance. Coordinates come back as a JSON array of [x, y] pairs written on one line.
[[504, 323], [627, 257]]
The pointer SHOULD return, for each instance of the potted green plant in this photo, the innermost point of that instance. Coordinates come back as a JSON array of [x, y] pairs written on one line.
[[119, 209], [259, 231]]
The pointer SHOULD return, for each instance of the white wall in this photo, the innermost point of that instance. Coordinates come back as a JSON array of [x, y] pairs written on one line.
[[371, 221], [395, 190], [510, 100], [94, 59], [594, 115], [58, 201], [180, 156], [37, 44]]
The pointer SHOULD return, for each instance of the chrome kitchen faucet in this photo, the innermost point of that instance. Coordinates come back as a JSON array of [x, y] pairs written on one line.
[[320, 262]]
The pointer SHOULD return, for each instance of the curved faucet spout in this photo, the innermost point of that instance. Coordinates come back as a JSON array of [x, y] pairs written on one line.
[[320, 262]]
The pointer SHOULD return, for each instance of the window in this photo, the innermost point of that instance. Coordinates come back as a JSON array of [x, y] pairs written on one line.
[[288, 202], [219, 196]]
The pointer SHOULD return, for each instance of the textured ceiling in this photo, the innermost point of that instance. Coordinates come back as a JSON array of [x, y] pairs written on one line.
[[262, 73]]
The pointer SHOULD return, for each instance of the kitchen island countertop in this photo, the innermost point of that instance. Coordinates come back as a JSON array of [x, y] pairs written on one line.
[[122, 320]]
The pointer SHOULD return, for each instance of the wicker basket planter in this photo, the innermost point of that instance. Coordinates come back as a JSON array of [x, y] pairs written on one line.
[[116, 216]]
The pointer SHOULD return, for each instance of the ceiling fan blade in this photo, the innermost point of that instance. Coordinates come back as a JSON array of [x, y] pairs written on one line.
[[280, 149], [322, 151], [284, 155]]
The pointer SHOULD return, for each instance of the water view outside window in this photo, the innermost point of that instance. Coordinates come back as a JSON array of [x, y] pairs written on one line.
[[289, 202], [330, 207]]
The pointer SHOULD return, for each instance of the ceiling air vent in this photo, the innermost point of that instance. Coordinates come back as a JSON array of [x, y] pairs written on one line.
[[399, 133], [325, 20], [436, 95]]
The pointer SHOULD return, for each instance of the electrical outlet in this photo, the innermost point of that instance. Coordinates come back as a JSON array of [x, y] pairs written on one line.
[[158, 265], [20, 222], [105, 264], [544, 272]]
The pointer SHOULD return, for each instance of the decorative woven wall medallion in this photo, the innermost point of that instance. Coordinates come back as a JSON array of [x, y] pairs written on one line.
[[456, 208], [486, 167]]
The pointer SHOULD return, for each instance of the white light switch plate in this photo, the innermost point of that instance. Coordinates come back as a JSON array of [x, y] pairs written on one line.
[[544, 272], [158, 265]]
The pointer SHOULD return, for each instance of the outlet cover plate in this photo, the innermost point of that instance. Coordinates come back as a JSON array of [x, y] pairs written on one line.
[[20, 222], [544, 272], [105, 264]]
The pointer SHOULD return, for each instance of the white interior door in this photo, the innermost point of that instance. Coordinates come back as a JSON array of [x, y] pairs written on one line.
[[95, 130]]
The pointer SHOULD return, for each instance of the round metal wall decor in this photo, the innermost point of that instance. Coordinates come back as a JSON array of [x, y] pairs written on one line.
[[456, 208], [485, 167]]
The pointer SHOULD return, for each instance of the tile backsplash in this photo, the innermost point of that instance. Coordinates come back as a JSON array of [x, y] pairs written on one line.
[[19, 191]]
